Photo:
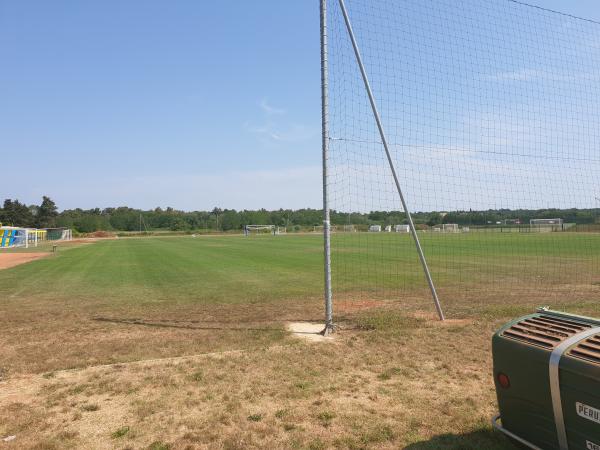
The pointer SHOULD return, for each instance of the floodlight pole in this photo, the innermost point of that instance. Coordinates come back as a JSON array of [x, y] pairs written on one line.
[[329, 328], [413, 231]]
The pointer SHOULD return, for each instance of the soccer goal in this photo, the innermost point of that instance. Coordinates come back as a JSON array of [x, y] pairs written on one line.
[[450, 228], [14, 237], [421, 126], [320, 228], [11, 237], [260, 230], [542, 225], [59, 234]]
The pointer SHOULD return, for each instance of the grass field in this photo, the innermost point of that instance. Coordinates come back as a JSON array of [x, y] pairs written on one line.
[[194, 330]]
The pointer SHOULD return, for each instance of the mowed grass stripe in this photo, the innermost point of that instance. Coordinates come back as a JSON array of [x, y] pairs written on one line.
[[222, 269], [234, 269]]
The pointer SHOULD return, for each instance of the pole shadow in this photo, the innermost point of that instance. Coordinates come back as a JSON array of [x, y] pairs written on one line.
[[190, 325], [485, 439]]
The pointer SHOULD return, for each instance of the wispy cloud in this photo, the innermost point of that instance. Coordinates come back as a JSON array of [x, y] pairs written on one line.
[[528, 74], [269, 109], [517, 75], [265, 131], [277, 128]]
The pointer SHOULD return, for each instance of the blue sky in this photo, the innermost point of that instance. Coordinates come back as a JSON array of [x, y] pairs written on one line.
[[487, 104], [190, 104]]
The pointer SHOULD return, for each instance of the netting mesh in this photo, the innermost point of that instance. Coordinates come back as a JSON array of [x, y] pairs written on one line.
[[491, 110]]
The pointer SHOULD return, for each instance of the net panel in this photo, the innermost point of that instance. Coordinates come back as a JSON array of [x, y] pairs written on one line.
[[491, 110], [260, 229]]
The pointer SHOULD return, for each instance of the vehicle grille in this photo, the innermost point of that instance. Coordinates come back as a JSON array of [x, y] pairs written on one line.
[[588, 349], [547, 331]]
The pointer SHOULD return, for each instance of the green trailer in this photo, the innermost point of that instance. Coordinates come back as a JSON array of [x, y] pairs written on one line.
[[547, 376]]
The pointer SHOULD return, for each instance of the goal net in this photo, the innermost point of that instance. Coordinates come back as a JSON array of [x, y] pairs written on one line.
[[483, 105], [546, 224], [11, 237], [14, 237], [59, 234], [450, 228], [260, 229]]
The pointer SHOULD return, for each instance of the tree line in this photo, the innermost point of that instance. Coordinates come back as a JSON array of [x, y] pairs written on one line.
[[46, 215]]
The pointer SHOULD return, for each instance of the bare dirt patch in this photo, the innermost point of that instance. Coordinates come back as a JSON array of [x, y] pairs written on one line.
[[309, 331], [100, 234], [14, 259], [368, 389]]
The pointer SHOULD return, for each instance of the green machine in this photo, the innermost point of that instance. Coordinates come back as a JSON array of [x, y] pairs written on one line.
[[547, 376]]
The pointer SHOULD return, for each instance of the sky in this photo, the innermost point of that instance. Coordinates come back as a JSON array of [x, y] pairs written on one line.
[[189, 104], [485, 104]]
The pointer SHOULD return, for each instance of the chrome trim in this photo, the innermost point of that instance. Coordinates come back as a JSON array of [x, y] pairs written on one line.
[[500, 428], [554, 364]]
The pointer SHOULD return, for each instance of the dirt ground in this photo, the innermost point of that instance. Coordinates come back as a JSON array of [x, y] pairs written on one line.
[[8, 260], [280, 396]]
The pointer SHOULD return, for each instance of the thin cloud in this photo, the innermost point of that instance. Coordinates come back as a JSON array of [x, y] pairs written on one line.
[[269, 109], [276, 129], [264, 131], [517, 75], [527, 75]]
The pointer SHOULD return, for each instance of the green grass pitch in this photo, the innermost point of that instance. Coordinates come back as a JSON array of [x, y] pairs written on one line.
[[202, 322]]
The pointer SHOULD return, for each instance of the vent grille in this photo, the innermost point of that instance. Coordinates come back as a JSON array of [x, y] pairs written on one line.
[[588, 349], [547, 331]]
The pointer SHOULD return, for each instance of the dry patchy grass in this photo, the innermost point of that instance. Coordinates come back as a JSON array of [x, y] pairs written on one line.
[[151, 362], [390, 379]]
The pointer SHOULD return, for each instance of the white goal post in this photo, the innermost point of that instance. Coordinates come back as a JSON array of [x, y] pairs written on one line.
[[260, 229], [12, 237], [319, 228], [546, 224], [450, 228]]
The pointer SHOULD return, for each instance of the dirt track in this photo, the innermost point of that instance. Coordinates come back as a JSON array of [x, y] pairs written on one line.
[[14, 259]]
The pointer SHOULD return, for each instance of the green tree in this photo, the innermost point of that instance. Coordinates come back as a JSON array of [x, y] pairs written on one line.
[[46, 214], [230, 220], [217, 212], [16, 214], [179, 224]]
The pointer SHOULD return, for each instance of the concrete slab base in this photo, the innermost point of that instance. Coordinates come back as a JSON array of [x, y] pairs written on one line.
[[308, 331]]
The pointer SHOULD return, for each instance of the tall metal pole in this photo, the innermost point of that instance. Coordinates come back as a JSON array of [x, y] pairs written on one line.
[[325, 144], [413, 231]]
